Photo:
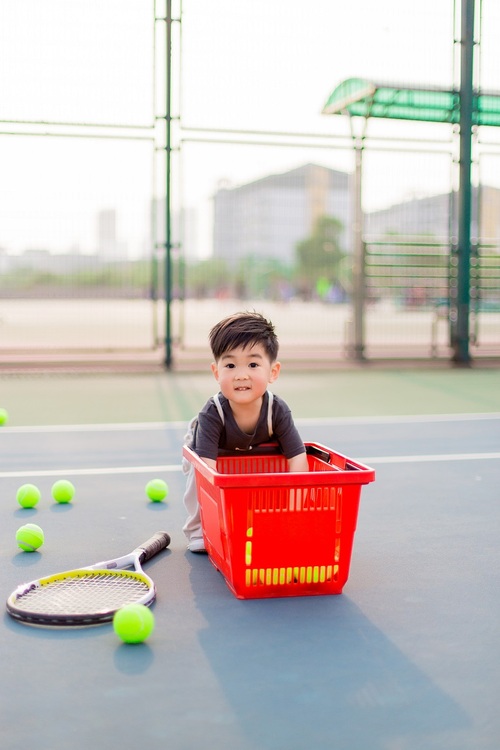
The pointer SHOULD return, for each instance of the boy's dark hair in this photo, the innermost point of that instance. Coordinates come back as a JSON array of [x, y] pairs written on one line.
[[243, 329]]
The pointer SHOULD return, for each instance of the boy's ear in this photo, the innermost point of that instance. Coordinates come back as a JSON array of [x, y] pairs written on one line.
[[275, 371], [215, 370]]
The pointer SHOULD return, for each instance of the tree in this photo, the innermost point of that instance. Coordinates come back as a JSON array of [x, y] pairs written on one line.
[[320, 255]]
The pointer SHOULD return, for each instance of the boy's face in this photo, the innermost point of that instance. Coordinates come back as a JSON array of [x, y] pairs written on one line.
[[243, 374]]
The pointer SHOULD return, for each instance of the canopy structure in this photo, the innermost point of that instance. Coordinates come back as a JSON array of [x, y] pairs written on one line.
[[359, 97], [465, 108]]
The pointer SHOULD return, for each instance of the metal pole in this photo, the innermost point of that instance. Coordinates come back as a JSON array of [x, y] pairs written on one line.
[[168, 153], [460, 291], [154, 208], [358, 285]]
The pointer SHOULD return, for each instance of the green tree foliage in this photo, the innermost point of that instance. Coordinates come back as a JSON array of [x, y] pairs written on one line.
[[320, 255], [206, 278]]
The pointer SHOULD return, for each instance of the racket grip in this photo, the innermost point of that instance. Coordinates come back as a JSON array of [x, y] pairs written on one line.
[[154, 544]]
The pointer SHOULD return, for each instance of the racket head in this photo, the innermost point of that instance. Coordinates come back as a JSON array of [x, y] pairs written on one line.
[[79, 597]]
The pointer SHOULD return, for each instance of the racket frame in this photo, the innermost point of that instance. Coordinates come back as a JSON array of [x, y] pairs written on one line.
[[115, 567]]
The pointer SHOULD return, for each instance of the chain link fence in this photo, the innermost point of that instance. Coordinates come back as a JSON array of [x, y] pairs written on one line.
[[261, 216]]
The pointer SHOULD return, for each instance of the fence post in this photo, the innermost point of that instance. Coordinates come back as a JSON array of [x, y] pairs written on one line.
[[359, 253], [460, 297], [168, 208]]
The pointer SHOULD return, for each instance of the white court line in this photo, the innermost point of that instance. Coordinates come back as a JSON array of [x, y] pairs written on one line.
[[92, 472], [305, 421], [371, 460], [428, 458], [118, 427], [398, 419]]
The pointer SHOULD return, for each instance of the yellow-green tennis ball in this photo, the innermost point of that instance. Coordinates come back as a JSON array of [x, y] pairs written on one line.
[[29, 537], [4, 416], [133, 623], [63, 491], [157, 490], [28, 495]]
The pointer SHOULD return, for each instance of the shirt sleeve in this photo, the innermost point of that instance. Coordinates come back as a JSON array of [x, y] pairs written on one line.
[[209, 431], [284, 430]]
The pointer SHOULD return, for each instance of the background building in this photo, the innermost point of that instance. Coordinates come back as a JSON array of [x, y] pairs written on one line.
[[268, 217], [436, 217]]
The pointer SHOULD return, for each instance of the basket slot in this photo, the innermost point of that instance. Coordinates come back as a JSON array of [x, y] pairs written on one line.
[[298, 576], [250, 464], [295, 499]]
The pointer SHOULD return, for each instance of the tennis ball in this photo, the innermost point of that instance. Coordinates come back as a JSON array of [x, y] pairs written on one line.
[[29, 537], [133, 623], [157, 490], [4, 416], [63, 491], [28, 495]]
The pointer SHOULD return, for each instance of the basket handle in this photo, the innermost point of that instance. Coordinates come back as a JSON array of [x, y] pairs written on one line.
[[327, 458], [313, 450]]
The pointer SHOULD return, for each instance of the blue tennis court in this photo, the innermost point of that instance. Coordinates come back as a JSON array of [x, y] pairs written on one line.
[[405, 659]]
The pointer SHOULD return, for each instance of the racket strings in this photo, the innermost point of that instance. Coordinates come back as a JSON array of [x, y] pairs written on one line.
[[84, 594]]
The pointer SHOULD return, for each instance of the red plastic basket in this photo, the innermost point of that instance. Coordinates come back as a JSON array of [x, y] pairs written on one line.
[[273, 533]]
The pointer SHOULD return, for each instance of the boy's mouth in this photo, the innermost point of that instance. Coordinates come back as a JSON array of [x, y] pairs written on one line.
[[242, 388]]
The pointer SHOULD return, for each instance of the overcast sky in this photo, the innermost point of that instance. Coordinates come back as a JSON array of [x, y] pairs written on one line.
[[265, 65]]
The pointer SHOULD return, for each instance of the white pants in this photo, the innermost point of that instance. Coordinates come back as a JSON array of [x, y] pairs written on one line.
[[192, 527]]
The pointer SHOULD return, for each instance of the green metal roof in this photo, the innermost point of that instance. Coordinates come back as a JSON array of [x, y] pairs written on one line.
[[362, 98]]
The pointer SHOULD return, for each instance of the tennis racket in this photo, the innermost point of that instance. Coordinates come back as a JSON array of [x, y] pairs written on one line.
[[90, 595]]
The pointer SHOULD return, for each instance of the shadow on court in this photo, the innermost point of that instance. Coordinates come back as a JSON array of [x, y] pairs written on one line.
[[317, 673]]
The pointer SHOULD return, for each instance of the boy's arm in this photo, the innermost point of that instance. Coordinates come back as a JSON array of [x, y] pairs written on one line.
[[298, 463]]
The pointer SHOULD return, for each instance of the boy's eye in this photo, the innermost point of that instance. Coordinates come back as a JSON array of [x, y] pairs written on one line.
[[254, 364], [230, 365]]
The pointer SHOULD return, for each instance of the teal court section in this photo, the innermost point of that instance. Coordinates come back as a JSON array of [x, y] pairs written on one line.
[[67, 399], [404, 658]]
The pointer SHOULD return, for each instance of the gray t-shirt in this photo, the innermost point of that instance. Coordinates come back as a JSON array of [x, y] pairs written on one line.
[[212, 438]]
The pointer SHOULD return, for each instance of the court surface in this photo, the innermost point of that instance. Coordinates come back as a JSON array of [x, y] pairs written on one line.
[[407, 658]]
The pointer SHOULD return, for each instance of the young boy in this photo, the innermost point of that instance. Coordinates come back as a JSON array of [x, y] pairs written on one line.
[[245, 351]]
